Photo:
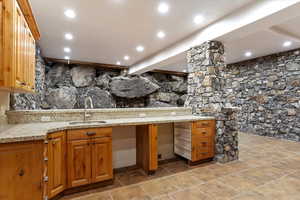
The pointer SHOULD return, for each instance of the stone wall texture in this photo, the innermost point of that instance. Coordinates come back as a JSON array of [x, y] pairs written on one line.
[[260, 96], [62, 86], [206, 81], [267, 89]]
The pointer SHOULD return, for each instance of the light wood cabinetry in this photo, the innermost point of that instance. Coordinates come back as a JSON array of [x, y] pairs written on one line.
[[21, 171], [102, 159], [17, 46], [89, 156], [79, 162], [56, 163], [146, 147], [195, 140]]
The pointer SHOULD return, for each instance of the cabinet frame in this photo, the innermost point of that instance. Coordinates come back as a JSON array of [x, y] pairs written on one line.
[[17, 46]]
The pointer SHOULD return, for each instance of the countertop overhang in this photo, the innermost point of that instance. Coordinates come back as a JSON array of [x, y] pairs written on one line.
[[38, 131]]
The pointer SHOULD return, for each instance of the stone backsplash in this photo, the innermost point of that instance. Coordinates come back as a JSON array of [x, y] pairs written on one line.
[[267, 89], [61, 86]]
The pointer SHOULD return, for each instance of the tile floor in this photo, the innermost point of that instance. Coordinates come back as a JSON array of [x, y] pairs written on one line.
[[268, 169]]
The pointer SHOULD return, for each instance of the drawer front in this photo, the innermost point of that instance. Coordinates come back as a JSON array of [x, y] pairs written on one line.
[[203, 148], [204, 124], [89, 133], [203, 132]]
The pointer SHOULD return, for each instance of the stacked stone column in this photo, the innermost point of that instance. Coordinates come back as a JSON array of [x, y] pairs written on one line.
[[206, 82]]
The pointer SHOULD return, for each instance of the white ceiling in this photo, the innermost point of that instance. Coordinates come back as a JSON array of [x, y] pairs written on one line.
[[107, 30]]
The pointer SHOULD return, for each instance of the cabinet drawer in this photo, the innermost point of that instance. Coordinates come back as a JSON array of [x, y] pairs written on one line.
[[204, 124], [204, 144], [203, 148], [203, 132], [89, 133]]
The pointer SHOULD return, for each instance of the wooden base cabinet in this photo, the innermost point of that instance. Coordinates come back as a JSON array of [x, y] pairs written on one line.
[[56, 163], [146, 147], [195, 141], [89, 156], [21, 171]]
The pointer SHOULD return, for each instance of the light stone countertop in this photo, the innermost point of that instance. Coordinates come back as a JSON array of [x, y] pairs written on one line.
[[38, 131]]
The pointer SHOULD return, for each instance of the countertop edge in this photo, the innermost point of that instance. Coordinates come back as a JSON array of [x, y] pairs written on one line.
[[62, 126]]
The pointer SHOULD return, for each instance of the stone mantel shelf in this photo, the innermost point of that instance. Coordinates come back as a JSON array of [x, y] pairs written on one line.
[[38, 131]]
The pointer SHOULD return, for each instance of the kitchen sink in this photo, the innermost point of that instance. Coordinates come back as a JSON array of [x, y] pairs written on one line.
[[87, 122]]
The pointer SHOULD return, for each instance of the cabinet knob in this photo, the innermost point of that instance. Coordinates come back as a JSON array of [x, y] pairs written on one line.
[[21, 172], [23, 83], [204, 132]]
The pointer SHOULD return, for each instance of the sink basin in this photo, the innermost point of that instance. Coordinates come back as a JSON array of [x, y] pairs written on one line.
[[87, 122]]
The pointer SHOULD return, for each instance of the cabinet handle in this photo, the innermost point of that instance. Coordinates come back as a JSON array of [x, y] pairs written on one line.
[[21, 172], [90, 133]]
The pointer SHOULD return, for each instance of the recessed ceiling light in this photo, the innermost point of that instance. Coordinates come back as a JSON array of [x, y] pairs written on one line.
[[67, 50], [184, 70], [126, 57], [198, 19], [68, 36], [161, 34], [118, 63], [140, 48], [70, 13], [287, 43], [67, 58], [248, 54], [163, 8]]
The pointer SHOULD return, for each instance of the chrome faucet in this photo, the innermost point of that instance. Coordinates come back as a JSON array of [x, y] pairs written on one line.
[[86, 101]]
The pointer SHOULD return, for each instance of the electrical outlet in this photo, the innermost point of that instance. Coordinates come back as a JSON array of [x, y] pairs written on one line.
[[159, 156]]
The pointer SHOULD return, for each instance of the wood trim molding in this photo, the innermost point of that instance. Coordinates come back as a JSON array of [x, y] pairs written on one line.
[[170, 72], [28, 14], [100, 65], [109, 66]]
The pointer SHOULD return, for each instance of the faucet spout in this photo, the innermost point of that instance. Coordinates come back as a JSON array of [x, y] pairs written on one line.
[[87, 100]]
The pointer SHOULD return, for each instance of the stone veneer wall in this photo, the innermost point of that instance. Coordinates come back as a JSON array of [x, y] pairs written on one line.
[[267, 89], [206, 80], [61, 86]]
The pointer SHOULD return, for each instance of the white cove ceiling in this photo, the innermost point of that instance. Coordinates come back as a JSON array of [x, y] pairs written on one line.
[[107, 30]]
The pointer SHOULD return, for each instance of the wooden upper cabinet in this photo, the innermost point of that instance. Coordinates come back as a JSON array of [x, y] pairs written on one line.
[[56, 163], [17, 46], [102, 159], [21, 171]]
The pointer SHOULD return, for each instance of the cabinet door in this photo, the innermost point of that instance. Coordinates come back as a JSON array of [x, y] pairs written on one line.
[[102, 159], [56, 163], [19, 48], [21, 171], [79, 162]]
